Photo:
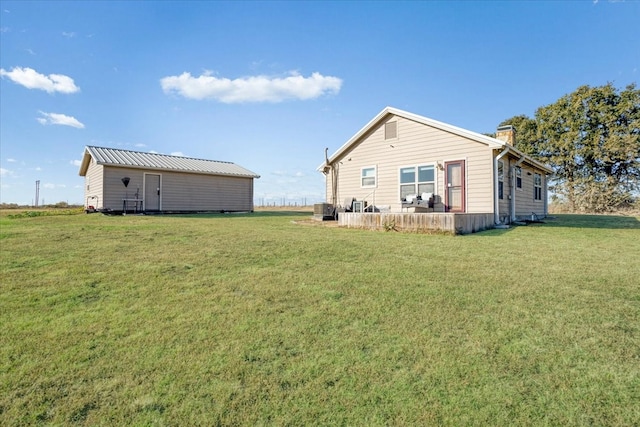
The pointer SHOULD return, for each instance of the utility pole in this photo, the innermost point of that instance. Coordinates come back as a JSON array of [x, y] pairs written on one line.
[[37, 192]]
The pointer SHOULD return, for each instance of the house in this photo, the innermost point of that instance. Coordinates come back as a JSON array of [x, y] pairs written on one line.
[[403, 162], [125, 181]]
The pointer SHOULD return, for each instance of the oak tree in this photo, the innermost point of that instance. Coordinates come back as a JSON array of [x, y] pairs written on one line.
[[591, 140]]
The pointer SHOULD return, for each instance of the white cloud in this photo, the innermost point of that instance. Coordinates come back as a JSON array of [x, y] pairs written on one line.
[[51, 186], [59, 119], [11, 160], [68, 34], [31, 79], [75, 162], [251, 89], [177, 153], [5, 172]]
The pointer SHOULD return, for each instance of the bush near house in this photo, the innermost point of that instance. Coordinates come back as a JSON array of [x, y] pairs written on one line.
[[261, 319]]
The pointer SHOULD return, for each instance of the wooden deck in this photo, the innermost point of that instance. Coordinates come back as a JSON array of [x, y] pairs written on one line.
[[454, 223]]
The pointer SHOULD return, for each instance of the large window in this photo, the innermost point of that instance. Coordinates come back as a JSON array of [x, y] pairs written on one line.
[[368, 177], [500, 179], [417, 180], [537, 186]]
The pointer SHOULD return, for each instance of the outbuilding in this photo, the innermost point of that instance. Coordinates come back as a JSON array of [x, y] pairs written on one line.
[[122, 181]]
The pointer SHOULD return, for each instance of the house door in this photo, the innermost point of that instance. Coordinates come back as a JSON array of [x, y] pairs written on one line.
[[151, 192], [455, 186]]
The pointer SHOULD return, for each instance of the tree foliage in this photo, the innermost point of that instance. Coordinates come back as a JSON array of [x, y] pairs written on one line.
[[591, 140]]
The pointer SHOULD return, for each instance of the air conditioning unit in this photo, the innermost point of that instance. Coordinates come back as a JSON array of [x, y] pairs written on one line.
[[323, 211]]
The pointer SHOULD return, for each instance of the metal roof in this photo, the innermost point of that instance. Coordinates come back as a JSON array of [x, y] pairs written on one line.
[[155, 161]]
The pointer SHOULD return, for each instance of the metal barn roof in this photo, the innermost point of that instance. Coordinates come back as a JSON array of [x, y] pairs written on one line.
[[140, 160]]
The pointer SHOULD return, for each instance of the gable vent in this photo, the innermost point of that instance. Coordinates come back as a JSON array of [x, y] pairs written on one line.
[[391, 130]]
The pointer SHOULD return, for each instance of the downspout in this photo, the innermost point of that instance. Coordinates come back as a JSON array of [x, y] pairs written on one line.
[[513, 188], [496, 201], [546, 195]]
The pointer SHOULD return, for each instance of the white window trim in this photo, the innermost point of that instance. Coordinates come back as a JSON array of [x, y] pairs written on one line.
[[416, 182], [521, 188], [535, 186], [375, 176]]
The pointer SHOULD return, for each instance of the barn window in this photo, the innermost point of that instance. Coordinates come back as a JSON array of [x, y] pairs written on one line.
[[368, 177], [417, 180], [391, 130], [537, 186]]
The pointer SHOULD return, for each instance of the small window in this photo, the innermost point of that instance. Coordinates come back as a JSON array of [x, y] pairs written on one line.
[[500, 179], [368, 177], [537, 186], [391, 130], [519, 177]]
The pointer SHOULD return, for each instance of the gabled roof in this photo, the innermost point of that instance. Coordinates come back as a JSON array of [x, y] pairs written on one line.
[[153, 161], [478, 137]]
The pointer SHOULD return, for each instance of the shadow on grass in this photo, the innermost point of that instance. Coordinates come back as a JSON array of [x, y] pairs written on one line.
[[613, 222], [256, 214], [559, 220]]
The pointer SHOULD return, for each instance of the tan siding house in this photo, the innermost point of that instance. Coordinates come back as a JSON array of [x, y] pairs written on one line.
[[399, 159], [124, 181]]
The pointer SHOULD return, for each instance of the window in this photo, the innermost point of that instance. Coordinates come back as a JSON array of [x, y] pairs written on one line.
[[368, 177], [500, 179], [519, 177], [537, 186], [417, 180], [391, 130]]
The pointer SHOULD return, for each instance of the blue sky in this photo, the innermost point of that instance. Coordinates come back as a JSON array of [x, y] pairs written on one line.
[[269, 85]]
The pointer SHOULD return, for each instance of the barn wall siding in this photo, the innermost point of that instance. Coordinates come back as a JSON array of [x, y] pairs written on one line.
[[93, 186], [181, 191]]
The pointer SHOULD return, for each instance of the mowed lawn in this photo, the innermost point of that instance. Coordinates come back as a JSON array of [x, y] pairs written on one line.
[[263, 319]]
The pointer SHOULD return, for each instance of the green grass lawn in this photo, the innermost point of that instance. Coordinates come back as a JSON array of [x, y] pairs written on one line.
[[261, 320]]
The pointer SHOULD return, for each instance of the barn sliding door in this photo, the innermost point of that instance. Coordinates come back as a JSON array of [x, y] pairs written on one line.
[[455, 186], [152, 192]]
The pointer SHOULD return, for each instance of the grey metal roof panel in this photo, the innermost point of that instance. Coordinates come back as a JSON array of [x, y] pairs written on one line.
[[138, 159]]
